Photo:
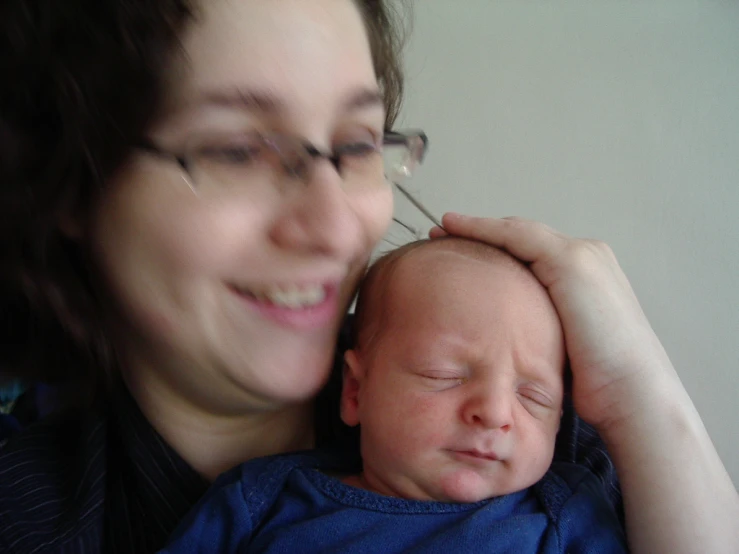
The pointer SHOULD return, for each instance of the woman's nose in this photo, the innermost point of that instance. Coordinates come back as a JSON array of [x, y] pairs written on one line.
[[490, 407], [321, 219]]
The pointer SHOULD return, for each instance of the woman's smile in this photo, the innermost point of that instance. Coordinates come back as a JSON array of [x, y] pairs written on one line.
[[297, 306]]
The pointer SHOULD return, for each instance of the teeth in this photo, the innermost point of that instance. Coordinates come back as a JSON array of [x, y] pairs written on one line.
[[291, 296]]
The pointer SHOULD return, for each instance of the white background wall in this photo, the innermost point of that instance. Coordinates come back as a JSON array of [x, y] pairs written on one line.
[[616, 120]]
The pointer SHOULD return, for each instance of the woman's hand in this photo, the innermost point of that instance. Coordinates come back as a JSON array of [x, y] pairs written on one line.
[[613, 351]]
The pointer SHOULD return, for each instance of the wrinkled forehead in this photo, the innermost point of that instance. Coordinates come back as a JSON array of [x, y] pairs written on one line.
[[436, 258], [445, 271], [472, 301]]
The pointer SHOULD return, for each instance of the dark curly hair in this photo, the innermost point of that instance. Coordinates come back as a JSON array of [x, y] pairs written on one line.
[[83, 80]]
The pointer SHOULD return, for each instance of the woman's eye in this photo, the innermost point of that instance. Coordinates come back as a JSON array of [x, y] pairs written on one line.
[[360, 149], [231, 154]]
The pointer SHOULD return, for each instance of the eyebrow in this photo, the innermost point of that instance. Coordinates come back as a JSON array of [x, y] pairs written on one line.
[[268, 103]]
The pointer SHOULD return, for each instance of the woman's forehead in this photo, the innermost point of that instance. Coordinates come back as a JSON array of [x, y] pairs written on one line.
[[287, 55]]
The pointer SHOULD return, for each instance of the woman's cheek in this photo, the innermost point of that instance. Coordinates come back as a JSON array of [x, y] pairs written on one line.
[[375, 209]]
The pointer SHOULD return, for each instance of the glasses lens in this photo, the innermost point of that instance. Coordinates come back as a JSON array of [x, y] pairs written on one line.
[[403, 152], [231, 161], [399, 163]]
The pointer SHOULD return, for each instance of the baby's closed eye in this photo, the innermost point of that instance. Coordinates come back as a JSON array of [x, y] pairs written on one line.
[[442, 378], [535, 400]]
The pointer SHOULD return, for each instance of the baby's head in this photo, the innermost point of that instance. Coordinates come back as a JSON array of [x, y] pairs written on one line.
[[456, 377]]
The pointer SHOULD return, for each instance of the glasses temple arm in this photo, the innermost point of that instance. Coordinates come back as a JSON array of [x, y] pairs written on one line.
[[418, 205]]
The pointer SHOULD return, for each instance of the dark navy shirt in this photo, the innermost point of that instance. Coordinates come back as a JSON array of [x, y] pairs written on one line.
[[106, 481]]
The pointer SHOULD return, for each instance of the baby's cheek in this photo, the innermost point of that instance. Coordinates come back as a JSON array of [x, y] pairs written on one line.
[[431, 418], [537, 455]]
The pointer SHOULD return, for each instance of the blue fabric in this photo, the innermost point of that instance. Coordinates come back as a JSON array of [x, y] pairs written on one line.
[[9, 426], [22, 404], [9, 393], [284, 504], [93, 481]]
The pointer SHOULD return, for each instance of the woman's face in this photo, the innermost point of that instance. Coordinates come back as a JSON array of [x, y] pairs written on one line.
[[233, 296]]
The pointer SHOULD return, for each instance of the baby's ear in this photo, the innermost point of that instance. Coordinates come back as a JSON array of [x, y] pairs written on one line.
[[352, 381]]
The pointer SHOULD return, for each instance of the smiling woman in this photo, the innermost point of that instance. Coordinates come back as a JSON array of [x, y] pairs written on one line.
[[173, 259], [205, 295]]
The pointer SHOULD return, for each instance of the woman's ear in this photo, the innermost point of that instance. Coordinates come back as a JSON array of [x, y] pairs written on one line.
[[353, 372]]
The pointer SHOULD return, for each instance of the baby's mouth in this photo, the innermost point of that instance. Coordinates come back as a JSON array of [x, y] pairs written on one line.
[[478, 454]]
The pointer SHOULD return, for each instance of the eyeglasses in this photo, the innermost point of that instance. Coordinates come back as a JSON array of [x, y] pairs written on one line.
[[218, 164]]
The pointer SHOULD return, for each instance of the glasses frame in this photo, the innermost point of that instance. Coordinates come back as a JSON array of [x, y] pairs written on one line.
[[407, 138]]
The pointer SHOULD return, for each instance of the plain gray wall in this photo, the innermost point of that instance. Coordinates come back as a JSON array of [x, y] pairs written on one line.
[[615, 120]]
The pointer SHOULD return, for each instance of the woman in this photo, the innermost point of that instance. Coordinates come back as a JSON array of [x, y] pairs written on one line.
[[183, 255]]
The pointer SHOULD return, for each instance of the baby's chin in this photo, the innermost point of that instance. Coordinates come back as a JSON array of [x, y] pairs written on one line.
[[468, 486]]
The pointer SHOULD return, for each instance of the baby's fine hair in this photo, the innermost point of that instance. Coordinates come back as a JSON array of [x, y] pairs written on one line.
[[372, 302]]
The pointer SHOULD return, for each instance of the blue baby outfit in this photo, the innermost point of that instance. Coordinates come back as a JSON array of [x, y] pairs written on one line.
[[287, 504]]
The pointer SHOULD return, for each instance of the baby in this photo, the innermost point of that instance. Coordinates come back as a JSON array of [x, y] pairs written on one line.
[[456, 382]]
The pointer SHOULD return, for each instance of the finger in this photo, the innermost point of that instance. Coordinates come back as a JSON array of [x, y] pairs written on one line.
[[529, 241], [436, 232]]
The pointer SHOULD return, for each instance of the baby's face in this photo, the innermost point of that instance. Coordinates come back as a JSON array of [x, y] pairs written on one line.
[[460, 398]]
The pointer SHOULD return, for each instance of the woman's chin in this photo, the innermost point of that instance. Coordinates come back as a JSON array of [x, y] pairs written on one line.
[[298, 391], [292, 384], [275, 368]]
